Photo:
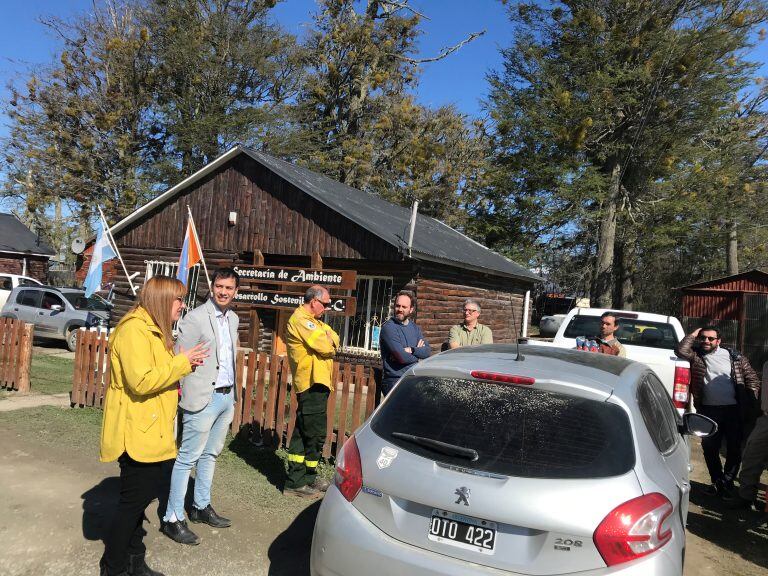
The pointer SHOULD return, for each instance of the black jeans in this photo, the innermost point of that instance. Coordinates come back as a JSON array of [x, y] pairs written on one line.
[[140, 483], [729, 426]]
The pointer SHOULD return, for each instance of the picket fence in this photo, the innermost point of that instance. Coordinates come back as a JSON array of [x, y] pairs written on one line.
[[15, 354], [266, 405]]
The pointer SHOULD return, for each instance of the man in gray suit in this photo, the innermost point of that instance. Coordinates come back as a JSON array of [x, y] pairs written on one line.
[[207, 403]]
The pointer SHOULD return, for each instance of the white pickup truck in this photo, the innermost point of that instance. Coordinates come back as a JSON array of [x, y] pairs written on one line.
[[647, 338]]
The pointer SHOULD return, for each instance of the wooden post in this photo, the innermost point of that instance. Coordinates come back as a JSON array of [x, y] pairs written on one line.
[[253, 335], [25, 357], [316, 261]]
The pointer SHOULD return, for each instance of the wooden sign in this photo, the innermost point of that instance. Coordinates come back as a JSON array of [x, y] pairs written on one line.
[[343, 305], [297, 276]]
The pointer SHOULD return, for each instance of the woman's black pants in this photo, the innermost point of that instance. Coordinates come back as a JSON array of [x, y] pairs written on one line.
[[140, 483]]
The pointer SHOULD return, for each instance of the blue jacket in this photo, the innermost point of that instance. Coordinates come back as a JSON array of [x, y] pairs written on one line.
[[395, 338]]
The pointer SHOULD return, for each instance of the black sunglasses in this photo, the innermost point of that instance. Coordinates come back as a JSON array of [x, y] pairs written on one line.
[[709, 338]]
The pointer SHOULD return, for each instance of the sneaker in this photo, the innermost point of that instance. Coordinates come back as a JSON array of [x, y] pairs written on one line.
[[321, 484], [208, 516], [303, 492], [179, 532]]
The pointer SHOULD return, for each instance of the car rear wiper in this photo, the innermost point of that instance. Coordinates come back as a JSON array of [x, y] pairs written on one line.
[[437, 446]]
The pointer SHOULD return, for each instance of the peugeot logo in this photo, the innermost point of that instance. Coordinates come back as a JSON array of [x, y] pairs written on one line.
[[463, 495]]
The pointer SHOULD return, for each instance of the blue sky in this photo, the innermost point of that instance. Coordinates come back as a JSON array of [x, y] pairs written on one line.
[[459, 79]]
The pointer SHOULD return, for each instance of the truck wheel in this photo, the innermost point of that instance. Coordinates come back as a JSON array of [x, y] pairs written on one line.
[[72, 338]]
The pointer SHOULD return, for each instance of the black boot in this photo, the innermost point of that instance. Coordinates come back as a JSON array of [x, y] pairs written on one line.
[[104, 572], [208, 516], [137, 566], [180, 532]]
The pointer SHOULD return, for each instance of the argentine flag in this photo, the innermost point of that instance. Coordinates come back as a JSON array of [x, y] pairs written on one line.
[[191, 253], [102, 251]]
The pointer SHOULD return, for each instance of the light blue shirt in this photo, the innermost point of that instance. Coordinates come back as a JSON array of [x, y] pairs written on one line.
[[226, 352]]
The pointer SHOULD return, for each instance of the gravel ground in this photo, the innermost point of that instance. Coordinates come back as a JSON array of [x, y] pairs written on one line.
[[57, 499]]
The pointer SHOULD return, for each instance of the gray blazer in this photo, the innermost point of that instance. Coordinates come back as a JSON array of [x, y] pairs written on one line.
[[199, 324]]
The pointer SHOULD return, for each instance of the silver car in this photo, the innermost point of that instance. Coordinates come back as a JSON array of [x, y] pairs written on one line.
[[56, 312], [480, 462]]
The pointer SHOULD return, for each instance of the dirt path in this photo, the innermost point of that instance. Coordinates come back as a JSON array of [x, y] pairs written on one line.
[[56, 504], [16, 401], [55, 507]]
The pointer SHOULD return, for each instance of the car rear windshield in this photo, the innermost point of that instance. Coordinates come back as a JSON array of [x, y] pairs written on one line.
[[515, 430], [630, 331]]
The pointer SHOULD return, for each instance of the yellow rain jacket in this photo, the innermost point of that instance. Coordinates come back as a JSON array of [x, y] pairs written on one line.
[[142, 397], [310, 353]]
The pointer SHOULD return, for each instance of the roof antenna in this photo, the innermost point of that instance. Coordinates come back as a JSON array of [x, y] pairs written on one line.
[[519, 357], [414, 211]]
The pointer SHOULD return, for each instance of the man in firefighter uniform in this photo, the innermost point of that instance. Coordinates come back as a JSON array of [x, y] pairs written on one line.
[[311, 347]]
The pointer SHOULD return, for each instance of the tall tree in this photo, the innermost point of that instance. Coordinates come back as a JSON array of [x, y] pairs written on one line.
[[606, 99], [356, 120], [224, 74]]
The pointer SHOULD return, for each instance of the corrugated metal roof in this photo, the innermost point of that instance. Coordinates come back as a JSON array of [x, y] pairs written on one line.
[[433, 240], [17, 238], [750, 281]]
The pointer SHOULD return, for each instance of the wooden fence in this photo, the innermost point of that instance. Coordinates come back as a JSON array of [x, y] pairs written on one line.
[[15, 354], [266, 403]]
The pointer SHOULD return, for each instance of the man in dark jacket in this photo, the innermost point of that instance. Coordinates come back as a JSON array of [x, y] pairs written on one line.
[[401, 341], [725, 388]]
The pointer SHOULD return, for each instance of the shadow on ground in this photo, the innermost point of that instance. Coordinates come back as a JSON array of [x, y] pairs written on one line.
[[99, 506], [263, 459], [744, 532], [289, 552]]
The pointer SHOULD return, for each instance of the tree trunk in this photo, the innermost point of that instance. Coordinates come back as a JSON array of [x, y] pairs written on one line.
[[626, 268], [602, 283], [732, 258]]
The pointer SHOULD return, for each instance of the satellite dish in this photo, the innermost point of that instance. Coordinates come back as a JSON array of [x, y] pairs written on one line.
[[78, 245]]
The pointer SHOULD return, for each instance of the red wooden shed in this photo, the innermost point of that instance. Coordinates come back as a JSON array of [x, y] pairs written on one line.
[[737, 305]]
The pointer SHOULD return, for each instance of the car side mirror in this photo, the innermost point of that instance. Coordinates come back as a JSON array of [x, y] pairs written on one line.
[[697, 425], [57, 308]]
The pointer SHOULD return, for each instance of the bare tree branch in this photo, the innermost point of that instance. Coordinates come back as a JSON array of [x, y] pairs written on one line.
[[443, 53], [391, 6]]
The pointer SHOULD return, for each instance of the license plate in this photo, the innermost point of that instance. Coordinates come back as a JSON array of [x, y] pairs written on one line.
[[462, 531]]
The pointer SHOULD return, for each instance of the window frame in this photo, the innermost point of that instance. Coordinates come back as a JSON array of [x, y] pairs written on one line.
[[38, 293], [662, 408], [379, 310]]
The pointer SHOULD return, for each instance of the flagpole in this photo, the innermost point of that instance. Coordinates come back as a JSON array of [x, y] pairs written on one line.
[[197, 239], [111, 240]]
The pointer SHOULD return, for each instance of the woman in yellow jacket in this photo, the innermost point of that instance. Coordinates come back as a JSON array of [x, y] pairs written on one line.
[[139, 412]]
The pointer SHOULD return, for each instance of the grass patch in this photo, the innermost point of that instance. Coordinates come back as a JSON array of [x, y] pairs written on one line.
[[247, 476], [50, 374]]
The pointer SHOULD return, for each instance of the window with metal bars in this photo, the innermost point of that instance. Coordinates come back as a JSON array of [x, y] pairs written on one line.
[[158, 268], [361, 331]]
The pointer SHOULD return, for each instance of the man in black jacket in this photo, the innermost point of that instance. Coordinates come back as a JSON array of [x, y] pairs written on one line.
[[725, 388]]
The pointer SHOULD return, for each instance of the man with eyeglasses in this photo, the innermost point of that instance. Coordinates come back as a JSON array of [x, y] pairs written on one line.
[[470, 332], [311, 347], [725, 388]]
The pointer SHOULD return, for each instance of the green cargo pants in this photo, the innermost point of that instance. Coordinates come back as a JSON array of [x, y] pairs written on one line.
[[308, 436]]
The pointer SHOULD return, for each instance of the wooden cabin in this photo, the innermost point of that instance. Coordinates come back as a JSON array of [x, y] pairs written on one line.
[[250, 207], [22, 251]]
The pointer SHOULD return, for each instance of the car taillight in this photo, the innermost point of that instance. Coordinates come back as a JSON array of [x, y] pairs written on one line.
[[349, 471], [680, 390], [506, 378], [634, 529]]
